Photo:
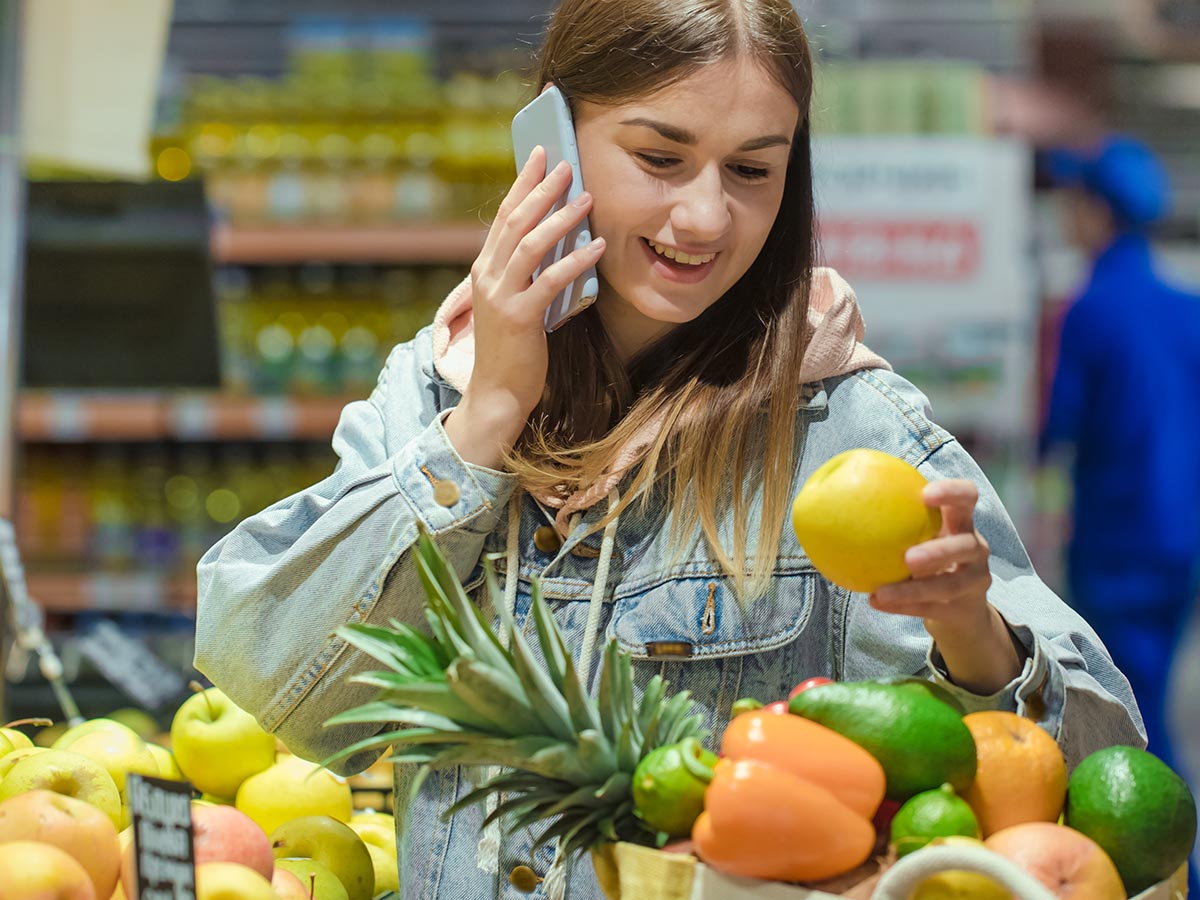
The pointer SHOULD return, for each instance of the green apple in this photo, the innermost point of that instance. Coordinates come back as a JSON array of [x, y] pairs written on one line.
[[65, 773], [217, 744], [35, 870], [138, 720], [316, 878], [78, 829], [11, 759], [167, 767], [292, 788], [332, 843], [231, 881]]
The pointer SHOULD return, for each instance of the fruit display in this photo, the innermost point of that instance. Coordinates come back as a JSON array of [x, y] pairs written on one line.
[[267, 825]]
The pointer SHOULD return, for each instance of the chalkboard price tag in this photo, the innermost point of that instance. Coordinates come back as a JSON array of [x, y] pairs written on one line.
[[164, 856], [133, 667]]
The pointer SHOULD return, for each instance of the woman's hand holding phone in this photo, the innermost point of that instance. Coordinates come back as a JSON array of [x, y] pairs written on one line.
[[511, 362]]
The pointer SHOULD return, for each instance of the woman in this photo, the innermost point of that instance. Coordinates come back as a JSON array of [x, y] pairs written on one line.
[[640, 461]]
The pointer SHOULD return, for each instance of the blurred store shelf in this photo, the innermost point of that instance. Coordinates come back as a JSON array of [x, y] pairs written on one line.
[[64, 592], [433, 244], [71, 416]]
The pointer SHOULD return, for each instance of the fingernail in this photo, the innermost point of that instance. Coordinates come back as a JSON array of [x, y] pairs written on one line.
[[597, 245], [582, 200], [563, 166], [917, 557]]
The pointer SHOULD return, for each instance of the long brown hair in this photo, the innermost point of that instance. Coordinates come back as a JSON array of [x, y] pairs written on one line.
[[727, 381]]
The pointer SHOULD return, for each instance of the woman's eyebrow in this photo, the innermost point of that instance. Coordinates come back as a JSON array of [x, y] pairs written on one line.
[[678, 135]]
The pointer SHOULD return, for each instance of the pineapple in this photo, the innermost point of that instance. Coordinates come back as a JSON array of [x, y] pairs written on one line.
[[461, 697]]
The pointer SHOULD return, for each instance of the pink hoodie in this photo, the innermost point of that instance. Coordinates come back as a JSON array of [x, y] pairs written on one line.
[[836, 348]]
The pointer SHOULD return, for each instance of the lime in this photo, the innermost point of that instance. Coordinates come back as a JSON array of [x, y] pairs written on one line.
[[669, 783], [1140, 812], [929, 815]]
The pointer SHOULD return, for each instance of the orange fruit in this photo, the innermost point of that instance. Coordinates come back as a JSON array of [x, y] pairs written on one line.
[[1020, 774]]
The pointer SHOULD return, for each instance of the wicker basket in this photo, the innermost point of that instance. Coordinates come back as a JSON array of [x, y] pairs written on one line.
[[631, 872]]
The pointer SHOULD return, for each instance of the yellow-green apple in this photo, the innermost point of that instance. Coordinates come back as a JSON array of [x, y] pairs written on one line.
[[51, 733], [292, 788], [115, 747], [65, 773], [231, 881], [214, 800], [217, 744], [77, 828], [374, 817], [316, 878], [288, 886], [36, 871], [332, 843], [6, 745], [17, 739], [380, 839], [141, 722], [167, 767], [11, 759]]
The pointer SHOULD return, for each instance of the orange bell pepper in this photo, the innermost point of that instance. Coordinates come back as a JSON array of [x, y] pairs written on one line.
[[811, 751], [761, 821]]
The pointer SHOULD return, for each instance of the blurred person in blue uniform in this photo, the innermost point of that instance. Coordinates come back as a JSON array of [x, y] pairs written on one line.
[[1126, 400]]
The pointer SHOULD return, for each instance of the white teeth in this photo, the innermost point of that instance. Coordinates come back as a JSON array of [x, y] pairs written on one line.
[[680, 257]]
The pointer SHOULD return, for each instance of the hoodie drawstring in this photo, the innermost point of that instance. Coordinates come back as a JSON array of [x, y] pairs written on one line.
[[487, 854]]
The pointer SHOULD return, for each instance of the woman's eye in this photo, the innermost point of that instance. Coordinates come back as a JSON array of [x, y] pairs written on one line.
[[657, 162], [750, 173]]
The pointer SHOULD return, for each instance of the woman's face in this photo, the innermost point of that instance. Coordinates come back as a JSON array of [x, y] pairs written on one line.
[[687, 183]]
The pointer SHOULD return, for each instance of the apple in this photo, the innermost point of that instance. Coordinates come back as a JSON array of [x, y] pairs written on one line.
[[292, 788], [167, 767], [11, 759], [224, 834], [51, 733], [138, 720], [1069, 863], [376, 834], [6, 745], [289, 886], [125, 841], [75, 732], [375, 817], [324, 884], [36, 871], [19, 739], [231, 881], [115, 747], [65, 773], [332, 843], [387, 869], [217, 744], [77, 828]]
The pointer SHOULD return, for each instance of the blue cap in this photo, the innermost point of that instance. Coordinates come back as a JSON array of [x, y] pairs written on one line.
[[1123, 172]]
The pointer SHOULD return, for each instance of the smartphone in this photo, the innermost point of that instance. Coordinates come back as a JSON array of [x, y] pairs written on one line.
[[547, 121]]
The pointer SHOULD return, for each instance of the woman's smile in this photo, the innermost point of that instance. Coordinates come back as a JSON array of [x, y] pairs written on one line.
[[678, 266]]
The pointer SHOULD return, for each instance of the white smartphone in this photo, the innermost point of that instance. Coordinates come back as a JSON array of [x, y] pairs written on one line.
[[547, 121]]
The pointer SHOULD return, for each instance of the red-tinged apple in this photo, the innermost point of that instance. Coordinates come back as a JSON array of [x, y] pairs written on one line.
[[231, 881], [292, 788], [65, 773], [77, 828], [217, 744], [224, 834], [325, 885], [36, 871], [332, 843], [289, 886]]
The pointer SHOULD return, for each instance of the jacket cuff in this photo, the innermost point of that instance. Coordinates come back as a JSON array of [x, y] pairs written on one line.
[[431, 460], [1037, 693]]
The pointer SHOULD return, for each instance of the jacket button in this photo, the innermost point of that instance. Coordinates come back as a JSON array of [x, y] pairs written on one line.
[[524, 879], [546, 539]]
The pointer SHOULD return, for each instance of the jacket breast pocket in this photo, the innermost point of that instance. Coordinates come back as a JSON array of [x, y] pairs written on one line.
[[692, 630]]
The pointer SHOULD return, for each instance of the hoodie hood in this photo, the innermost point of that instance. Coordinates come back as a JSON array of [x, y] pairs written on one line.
[[835, 348]]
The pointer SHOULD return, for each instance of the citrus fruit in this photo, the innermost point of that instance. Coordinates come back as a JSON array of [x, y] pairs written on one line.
[[858, 513], [669, 783], [1068, 863], [1130, 803], [920, 741], [1020, 773], [931, 814]]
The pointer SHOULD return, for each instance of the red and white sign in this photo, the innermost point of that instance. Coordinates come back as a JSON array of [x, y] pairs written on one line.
[[946, 250]]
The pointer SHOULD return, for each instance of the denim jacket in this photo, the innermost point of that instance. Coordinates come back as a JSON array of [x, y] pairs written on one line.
[[274, 590]]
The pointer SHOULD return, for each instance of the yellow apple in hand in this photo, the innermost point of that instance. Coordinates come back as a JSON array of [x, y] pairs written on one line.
[[325, 885], [292, 788], [857, 515], [217, 744], [36, 871], [77, 828], [65, 773], [231, 881], [333, 844]]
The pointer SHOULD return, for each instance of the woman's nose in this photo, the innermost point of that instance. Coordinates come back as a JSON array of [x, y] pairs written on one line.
[[701, 209]]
